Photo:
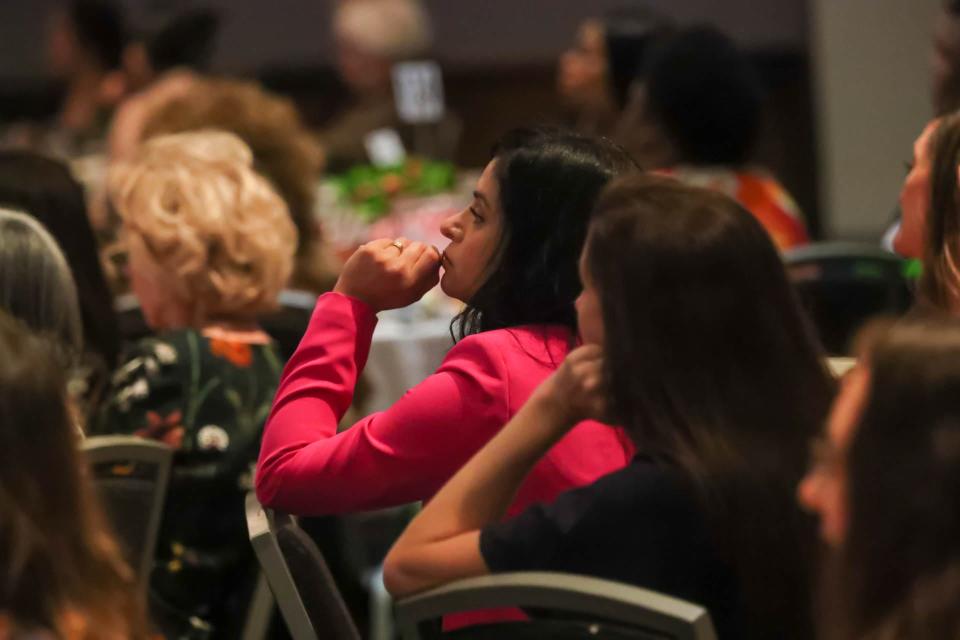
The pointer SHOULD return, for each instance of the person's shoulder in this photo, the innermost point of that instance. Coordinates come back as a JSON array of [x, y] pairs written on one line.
[[549, 343], [649, 486]]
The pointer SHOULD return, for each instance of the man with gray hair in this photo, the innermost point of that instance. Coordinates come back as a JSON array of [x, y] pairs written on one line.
[[370, 37]]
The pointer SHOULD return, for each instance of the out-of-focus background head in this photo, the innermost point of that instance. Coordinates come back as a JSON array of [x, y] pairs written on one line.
[[946, 59], [85, 33], [703, 96], [371, 35], [596, 73], [165, 40]]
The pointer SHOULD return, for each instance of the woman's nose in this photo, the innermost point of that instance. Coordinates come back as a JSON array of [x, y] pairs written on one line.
[[450, 229]]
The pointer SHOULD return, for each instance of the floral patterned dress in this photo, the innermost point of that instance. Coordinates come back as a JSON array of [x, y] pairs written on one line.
[[208, 399]]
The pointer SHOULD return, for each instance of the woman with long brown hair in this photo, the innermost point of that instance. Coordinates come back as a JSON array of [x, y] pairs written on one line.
[[61, 573], [886, 485], [695, 343]]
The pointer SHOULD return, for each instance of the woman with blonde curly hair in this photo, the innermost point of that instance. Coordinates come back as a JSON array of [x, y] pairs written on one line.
[[283, 151], [210, 246]]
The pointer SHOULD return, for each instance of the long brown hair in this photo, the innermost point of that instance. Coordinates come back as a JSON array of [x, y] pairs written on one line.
[[940, 282], [898, 572], [60, 570], [716, 372]]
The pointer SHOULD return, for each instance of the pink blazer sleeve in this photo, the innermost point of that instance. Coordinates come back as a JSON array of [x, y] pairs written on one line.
[[400, 455]]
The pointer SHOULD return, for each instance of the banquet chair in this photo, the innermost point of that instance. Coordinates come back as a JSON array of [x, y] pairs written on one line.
[[365, 539], [566, 606], [308, 598], [131, 476], [842, 285]]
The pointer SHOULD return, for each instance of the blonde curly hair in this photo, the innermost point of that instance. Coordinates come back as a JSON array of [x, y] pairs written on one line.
[[283, 149], [216, 228]]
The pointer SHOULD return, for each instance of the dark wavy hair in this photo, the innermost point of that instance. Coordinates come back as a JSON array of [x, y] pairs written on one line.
[[705, 95], [630, 33], [186, 40], [549, 180], [898, 572], [44, 189], [714, 370]]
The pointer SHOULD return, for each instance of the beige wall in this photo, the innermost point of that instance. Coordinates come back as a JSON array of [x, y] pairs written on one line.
[[871, 74]]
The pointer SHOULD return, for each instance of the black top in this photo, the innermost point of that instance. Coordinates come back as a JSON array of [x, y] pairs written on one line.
[[640, 525]]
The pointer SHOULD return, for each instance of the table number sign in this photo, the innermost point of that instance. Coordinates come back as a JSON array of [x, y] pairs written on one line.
[[418, 92]]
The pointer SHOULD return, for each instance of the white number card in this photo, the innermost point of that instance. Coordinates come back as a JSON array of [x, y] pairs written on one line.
[[418, 91]]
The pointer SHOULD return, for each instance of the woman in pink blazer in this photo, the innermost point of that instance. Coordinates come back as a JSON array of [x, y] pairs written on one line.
[[512, 258]]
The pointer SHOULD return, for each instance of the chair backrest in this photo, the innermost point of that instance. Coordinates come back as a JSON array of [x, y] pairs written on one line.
[[842, 285], [305, 591], [131, 476], [586, 603]]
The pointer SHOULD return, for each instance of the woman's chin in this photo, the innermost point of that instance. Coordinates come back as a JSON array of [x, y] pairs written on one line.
[[446, 285], [450, 289]]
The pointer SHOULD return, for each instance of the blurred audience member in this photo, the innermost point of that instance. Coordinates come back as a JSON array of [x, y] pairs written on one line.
[[62, 575], [696, 115], [885, 481], [210, 246], [182, 41], [283, 152], [595, 75], [930, 201], [159, 65], [37, 289], [946, 59], [678, 283], [45, 190], [370, 37], [84, 46]]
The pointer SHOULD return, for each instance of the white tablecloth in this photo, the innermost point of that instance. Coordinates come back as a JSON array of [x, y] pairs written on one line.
[[402, 354]]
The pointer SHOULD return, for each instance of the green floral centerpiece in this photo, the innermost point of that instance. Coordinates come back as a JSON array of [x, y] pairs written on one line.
[[370, 190]]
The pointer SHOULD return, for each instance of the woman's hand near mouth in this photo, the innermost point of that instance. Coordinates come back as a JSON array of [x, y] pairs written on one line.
[[389, 274]]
